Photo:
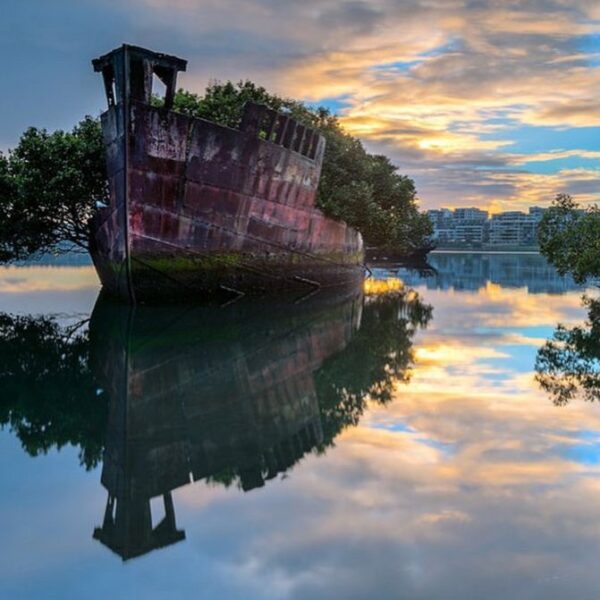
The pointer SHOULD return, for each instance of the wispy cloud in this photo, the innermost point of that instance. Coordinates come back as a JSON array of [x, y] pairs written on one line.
[[440, 86], [464, 95]]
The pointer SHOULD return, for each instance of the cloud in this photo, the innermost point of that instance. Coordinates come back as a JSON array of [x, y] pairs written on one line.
[[24, 280], [556, 155], [567, 113], [451, 90]]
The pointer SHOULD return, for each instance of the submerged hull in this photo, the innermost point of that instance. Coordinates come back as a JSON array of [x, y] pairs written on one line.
[[199, 209]]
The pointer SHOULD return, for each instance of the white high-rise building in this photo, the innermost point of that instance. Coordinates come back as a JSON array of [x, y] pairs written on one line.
[[473, 227]]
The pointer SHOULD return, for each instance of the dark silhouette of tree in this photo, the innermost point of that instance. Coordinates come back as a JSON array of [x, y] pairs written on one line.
[[379, 356], [48, 397], [49, 185], [568, 365], [569, 237]]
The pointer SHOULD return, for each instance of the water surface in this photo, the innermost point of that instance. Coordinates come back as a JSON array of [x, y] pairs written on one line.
[[385, 443]]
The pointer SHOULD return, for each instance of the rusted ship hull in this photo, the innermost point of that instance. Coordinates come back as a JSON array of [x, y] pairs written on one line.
[[199, 209]]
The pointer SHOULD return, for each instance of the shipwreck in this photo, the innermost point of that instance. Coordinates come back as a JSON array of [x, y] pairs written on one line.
[[198, 209]]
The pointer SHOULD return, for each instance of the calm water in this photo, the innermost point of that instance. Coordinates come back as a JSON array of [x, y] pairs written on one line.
[[385, 444]]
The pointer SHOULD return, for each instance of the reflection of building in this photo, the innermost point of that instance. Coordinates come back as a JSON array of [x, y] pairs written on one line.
[[471, 227], [195, 395], [467, 271]]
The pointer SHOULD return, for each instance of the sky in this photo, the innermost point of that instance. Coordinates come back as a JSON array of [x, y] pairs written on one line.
[[489, 103]]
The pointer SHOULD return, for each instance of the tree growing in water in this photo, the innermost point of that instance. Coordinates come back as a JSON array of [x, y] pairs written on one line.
[[568, 365], [363, 189], [50, 183], [569, 237]]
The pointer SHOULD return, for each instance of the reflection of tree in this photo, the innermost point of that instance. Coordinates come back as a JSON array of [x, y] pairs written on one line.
[[49, 386], [379, 355], [47, 392], [230, 396], [568, 365]]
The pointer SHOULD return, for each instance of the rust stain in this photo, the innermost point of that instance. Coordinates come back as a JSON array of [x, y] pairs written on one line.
[[239, 204]]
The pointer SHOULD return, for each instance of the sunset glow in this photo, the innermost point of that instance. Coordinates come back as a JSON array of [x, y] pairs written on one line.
[[492, 104]]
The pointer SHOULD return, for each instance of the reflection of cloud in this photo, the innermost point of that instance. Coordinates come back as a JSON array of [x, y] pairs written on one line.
[[38, 279], [497, 307], [470, 484], [37, 289], [440, 353]]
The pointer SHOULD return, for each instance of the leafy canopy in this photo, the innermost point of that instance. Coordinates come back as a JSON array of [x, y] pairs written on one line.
[[48, 188], [568, 365], [363, 189], [569, 237], [50, 183]]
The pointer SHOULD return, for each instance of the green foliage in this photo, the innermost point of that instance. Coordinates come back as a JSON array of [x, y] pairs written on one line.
[[47, 392], [570, 238], [50, 182], [48, 188], [363, 189], [568, 365], [378, 358], [9, 230]]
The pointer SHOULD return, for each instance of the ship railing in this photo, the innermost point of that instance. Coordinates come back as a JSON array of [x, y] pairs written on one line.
[[276, 127]]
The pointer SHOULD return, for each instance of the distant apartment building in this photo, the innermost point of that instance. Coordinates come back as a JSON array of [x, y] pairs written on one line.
[[514, 229], [443, 229], [474, 228], [461, 226], [470, 225]]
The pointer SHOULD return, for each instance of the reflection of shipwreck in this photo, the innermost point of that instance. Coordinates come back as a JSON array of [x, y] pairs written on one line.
[[232, 395], [198, 208], [227, 396]]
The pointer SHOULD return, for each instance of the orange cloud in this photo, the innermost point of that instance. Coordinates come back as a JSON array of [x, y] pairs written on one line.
[[426, 82]]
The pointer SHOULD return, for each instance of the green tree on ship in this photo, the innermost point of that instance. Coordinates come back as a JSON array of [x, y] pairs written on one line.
[[50, 183]]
